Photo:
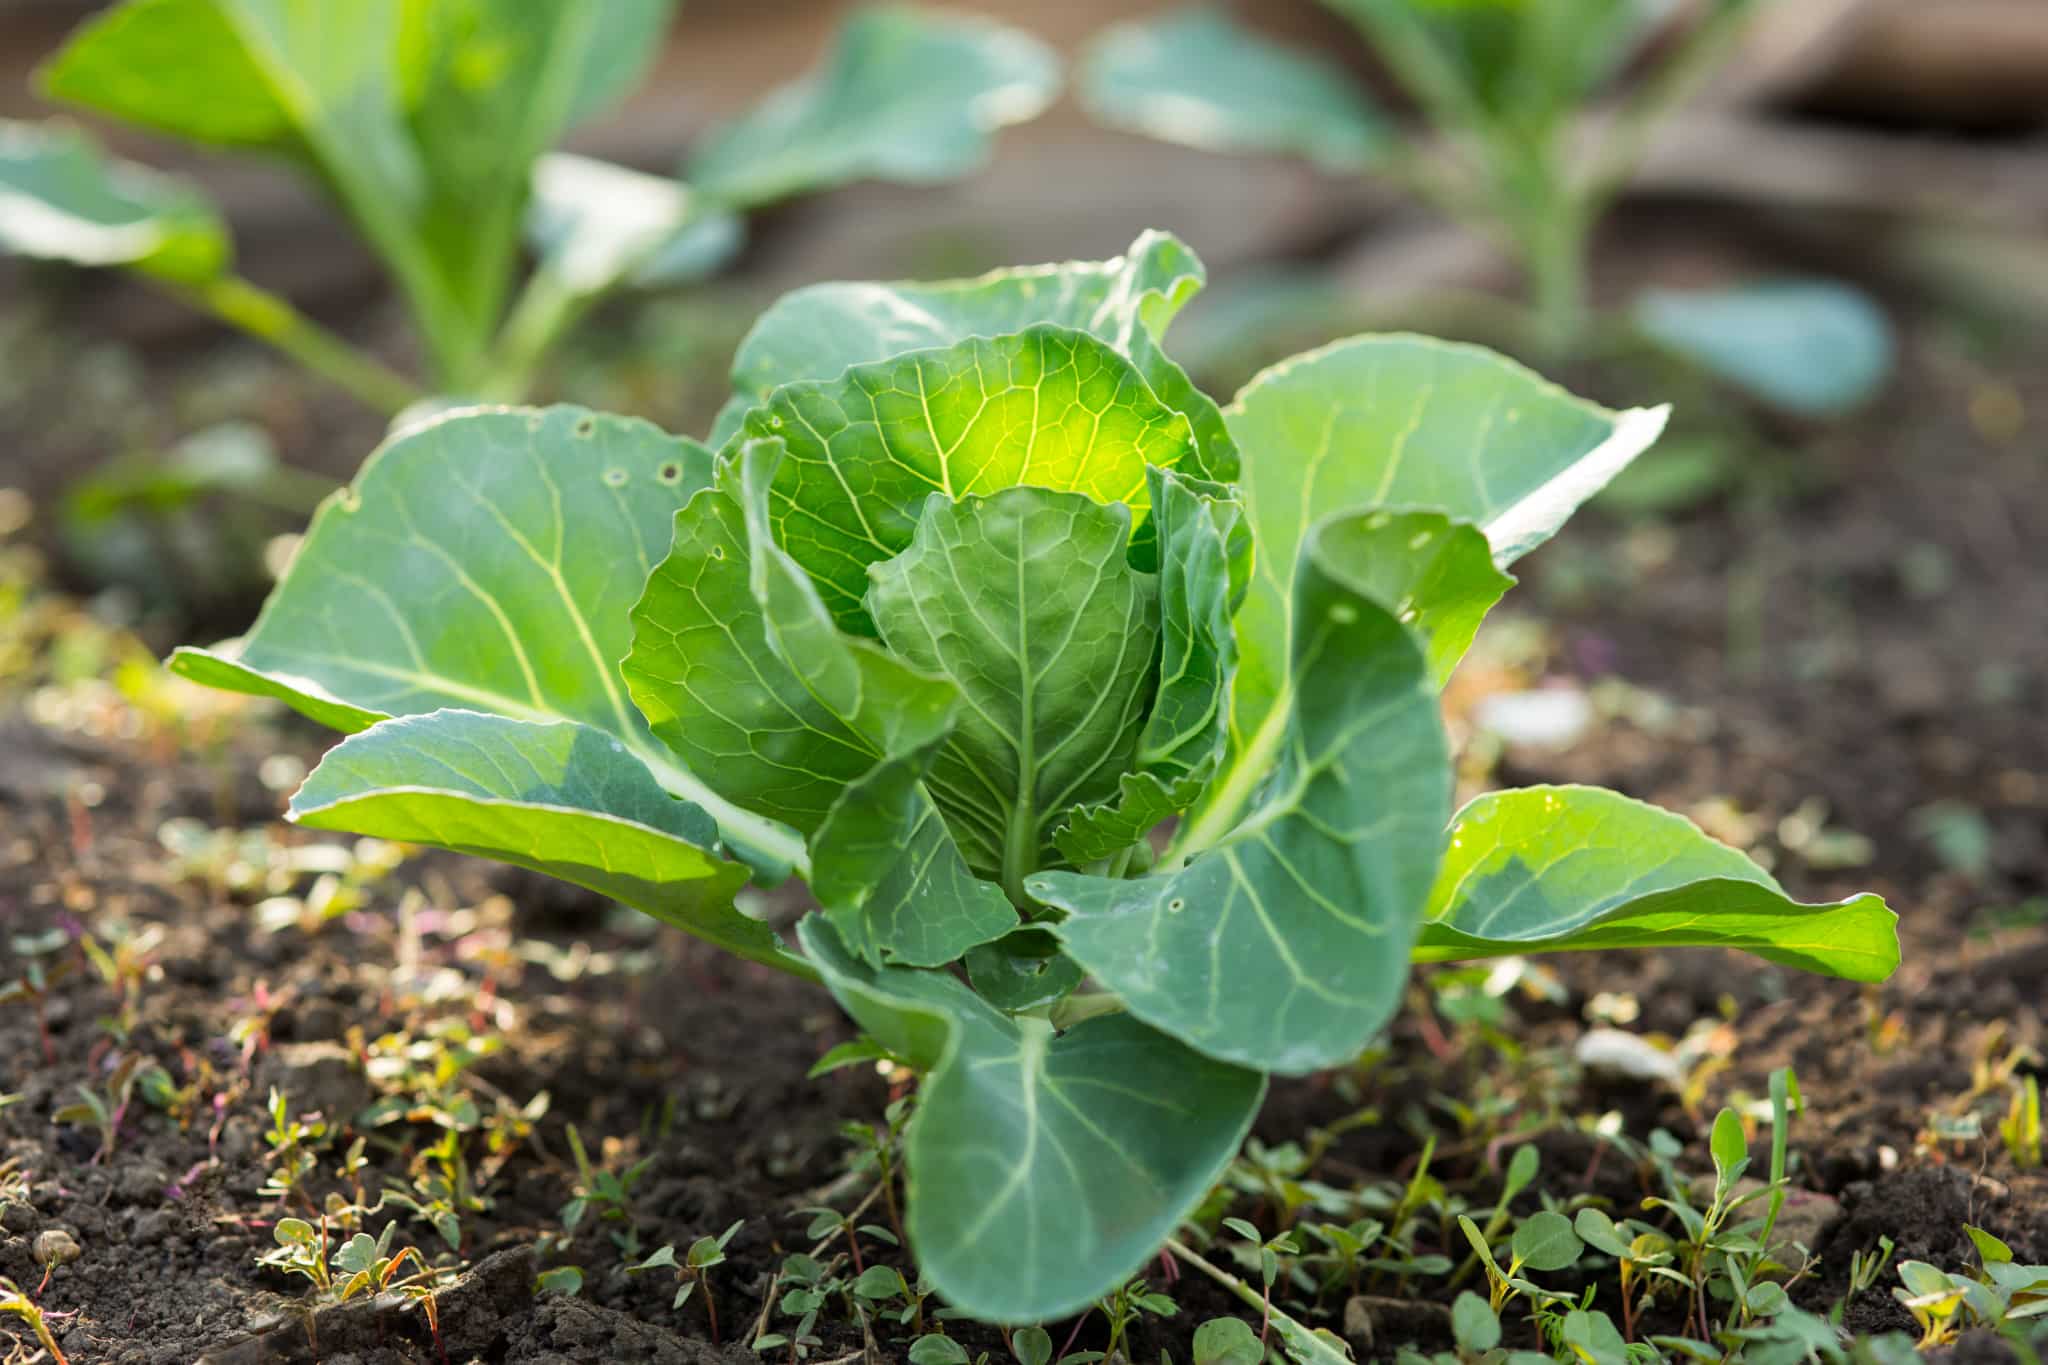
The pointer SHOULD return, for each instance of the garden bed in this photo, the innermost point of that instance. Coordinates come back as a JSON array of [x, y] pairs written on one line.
[[1843, 671]]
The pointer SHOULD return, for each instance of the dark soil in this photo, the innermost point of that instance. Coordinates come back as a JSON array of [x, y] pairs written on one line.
[[1872, 637]]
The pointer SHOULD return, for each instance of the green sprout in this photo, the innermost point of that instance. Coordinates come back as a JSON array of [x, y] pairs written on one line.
[[704, 1254]]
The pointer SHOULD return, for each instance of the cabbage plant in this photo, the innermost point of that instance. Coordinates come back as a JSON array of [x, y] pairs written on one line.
[[1528, 134], [431, 124], [1101, 722]]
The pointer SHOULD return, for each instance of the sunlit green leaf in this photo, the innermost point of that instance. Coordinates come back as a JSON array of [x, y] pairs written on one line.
[[703, 671], [1026, 600], [1404, 422], [905, 94], [1811, 347], [1046, 407], [486, 560], [63, 200], [1127, 301], [1076, 1155], [1285, 944], [1199, 78], [1558, 869], [558, 797]]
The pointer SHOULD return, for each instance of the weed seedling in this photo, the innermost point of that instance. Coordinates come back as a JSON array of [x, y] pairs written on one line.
[[361, 1265], [34, 983], [2020, 1129], [104, 1112], [692, 1270], [15, 1303], [602, 1192], [292, 1144], [1267, 1252]]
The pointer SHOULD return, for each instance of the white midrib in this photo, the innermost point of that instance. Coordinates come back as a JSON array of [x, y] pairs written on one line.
[[1020, 848]]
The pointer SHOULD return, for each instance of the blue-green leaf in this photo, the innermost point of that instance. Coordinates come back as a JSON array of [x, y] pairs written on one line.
[[559, 798], [1026, 600], [1560, 869], [884, 864], [1284, 944], [486, 560], [905, 95], [62, 199], [1198, 78], [1814, 348], [1404, 422], [1205, 568], [1042, 1168]]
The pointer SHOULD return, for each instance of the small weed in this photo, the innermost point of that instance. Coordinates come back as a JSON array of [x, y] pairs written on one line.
[[36, 979], [361, 1265], [604, 1193], [292, 1144], [2020, 1130], [104, 1112], [2001, 1295], [15, 1303], [704, 1253]]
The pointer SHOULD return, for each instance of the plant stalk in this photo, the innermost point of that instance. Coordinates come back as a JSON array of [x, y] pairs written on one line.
[[269, 318], [1303, 1345]]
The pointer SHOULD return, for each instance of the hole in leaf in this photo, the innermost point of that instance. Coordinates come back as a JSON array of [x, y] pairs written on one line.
[[670, 473], [718, 552], [615, 477], [586, 425], [1176, 905]]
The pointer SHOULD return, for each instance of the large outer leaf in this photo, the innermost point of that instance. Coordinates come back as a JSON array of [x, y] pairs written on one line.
[[905, 95], [486, 561], [557, 797], [1198, 78], [1557, 869], [1406, 422], [1204, 570], [1025, 599], [1127, 301], [1285, 945], [63, 200], [1046, 407], [1042, 1170]]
